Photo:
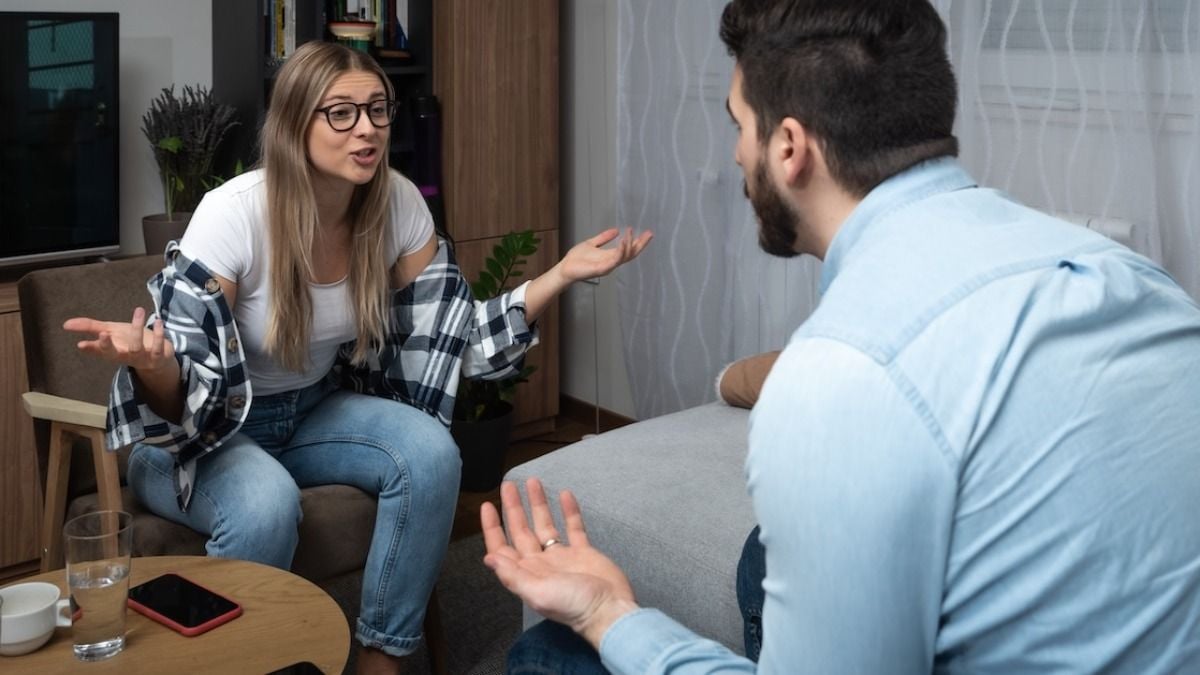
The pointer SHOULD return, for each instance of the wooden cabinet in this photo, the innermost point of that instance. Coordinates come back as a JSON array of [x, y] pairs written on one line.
[[20, 487], [496, 74]]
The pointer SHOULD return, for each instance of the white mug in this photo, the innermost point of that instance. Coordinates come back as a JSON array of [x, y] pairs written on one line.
[[30, 613]]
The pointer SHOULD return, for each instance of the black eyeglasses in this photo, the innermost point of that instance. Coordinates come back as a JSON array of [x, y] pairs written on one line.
[[344, 116]]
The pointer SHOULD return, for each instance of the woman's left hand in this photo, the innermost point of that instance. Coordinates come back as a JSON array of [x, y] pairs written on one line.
[[587, 259]]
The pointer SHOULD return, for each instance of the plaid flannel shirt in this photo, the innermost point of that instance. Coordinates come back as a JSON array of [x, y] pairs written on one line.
[[437, 331]]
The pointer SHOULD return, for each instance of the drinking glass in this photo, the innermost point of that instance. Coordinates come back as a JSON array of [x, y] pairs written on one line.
[[98, 546]]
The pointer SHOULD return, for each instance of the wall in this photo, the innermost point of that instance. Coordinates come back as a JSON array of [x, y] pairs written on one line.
[[162, 42], [588, 198]]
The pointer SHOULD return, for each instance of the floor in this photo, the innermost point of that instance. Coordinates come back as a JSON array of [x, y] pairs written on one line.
[[567, 431]]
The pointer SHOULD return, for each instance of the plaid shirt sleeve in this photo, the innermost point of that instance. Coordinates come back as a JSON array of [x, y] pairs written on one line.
[[437, 331], [197, 321]]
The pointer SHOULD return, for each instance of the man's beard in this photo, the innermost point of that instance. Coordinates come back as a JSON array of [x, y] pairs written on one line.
[[777, 221]]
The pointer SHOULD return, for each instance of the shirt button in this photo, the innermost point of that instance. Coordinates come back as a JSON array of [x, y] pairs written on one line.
[[232, 345], [209, 437], [212, 286], [237, 402]]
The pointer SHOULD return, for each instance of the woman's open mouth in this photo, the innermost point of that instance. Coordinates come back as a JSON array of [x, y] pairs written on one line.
[[366, 156]]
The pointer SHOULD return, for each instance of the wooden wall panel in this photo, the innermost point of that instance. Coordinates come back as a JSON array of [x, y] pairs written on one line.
[[496, 73], [538, 398], [20, 491]]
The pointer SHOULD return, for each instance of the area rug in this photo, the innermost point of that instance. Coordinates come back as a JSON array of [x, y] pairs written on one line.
[[481, 619]]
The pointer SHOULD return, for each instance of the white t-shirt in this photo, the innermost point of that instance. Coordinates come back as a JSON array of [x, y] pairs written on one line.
[[228, 233]]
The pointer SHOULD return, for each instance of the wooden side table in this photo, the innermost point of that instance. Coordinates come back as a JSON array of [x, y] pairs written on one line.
[[285, 619]]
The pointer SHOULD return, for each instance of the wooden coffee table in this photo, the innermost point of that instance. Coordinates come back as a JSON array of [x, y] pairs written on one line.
[[285, 619]]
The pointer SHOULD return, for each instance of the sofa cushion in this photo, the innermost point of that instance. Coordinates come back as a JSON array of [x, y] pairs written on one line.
[[666, 499]]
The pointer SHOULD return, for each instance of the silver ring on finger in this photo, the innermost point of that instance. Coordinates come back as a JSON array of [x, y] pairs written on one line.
[[550, 542]]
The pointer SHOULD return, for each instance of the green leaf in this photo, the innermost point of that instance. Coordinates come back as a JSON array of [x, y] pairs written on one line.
[[487, 285], [172, 144], [495, 268]]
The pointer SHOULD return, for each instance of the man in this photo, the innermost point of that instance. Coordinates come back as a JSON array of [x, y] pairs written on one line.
[[982, 451]]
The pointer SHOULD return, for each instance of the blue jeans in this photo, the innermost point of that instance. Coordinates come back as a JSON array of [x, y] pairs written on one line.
[[751, 570], [552, 648], [247, 494]]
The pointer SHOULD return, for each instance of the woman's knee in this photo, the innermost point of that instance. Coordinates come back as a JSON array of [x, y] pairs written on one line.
[[423, 448], [260, 521]]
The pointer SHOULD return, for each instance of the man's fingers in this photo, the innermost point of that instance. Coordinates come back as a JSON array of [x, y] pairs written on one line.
[[508, 571], [514, 517], [543, 521], [576, 532], [139, 318], [493, 530]]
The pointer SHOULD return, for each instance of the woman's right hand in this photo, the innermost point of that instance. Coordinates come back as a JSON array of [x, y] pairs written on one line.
[[129, 344]]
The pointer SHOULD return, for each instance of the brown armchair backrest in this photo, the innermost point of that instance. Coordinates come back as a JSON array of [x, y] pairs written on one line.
[[108, 291]]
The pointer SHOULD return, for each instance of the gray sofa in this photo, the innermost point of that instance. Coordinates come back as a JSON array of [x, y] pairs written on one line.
[[666, 499]]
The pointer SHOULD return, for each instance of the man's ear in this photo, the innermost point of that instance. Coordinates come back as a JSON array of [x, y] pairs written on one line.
[[794, 150]]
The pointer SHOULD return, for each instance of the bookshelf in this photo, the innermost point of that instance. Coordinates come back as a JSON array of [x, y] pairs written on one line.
[[244, 68]]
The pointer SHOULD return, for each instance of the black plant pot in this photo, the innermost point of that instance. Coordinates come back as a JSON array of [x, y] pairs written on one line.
[[161, 229], [482, 445]]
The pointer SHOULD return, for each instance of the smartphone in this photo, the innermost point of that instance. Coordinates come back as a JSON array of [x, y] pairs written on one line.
[[182, 604]]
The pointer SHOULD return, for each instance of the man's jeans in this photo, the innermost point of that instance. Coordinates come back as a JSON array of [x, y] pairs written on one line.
[[553, 649], [247, 494]]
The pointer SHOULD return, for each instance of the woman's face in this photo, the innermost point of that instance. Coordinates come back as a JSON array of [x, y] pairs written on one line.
[[351, 156]]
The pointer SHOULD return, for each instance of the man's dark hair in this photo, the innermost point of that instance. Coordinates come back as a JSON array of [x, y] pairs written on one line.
[[869, 78]]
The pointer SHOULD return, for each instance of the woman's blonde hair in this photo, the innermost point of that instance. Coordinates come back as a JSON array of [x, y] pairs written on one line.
[[299, 87]]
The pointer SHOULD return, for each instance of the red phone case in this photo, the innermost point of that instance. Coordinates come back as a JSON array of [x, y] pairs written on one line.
[[189, 631]]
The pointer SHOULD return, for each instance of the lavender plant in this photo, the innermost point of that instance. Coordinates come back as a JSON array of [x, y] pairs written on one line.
[[185, 133]]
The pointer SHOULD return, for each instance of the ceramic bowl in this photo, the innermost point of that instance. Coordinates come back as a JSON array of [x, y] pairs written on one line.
[[353, 30]]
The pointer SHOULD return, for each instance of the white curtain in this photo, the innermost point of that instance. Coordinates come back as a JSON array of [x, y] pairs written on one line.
[[1084, 108], [703, 293]]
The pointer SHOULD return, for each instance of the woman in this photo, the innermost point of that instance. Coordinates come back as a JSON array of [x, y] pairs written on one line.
[[281, 288]]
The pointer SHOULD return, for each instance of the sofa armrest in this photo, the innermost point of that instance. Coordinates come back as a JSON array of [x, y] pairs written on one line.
[[666, 499]]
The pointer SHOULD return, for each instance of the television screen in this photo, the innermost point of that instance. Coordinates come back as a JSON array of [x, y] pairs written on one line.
[[58, 135]]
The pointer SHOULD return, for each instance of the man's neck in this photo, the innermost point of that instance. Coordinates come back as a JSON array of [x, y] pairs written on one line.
[[826, 210]]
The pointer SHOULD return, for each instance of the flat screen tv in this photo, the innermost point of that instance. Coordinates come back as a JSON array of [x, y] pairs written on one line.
[[59, 191]]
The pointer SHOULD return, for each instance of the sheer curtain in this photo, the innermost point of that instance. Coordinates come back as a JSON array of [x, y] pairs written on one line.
[[1080, 107], [1086, 108], [702, 294]]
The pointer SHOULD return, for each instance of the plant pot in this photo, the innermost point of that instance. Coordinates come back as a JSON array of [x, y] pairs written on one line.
[[159, 230], [482, 445]]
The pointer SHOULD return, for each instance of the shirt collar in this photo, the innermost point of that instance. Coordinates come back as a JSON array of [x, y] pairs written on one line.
[[918, 182]]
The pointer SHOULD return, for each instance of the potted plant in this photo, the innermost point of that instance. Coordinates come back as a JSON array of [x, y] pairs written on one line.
[[185, 133], [483, 410]]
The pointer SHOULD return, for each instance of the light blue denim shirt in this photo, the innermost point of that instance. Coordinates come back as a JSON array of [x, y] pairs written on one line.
[[980, 454]]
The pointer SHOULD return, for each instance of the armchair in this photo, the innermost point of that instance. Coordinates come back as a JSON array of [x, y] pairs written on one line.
[[68, 397]]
